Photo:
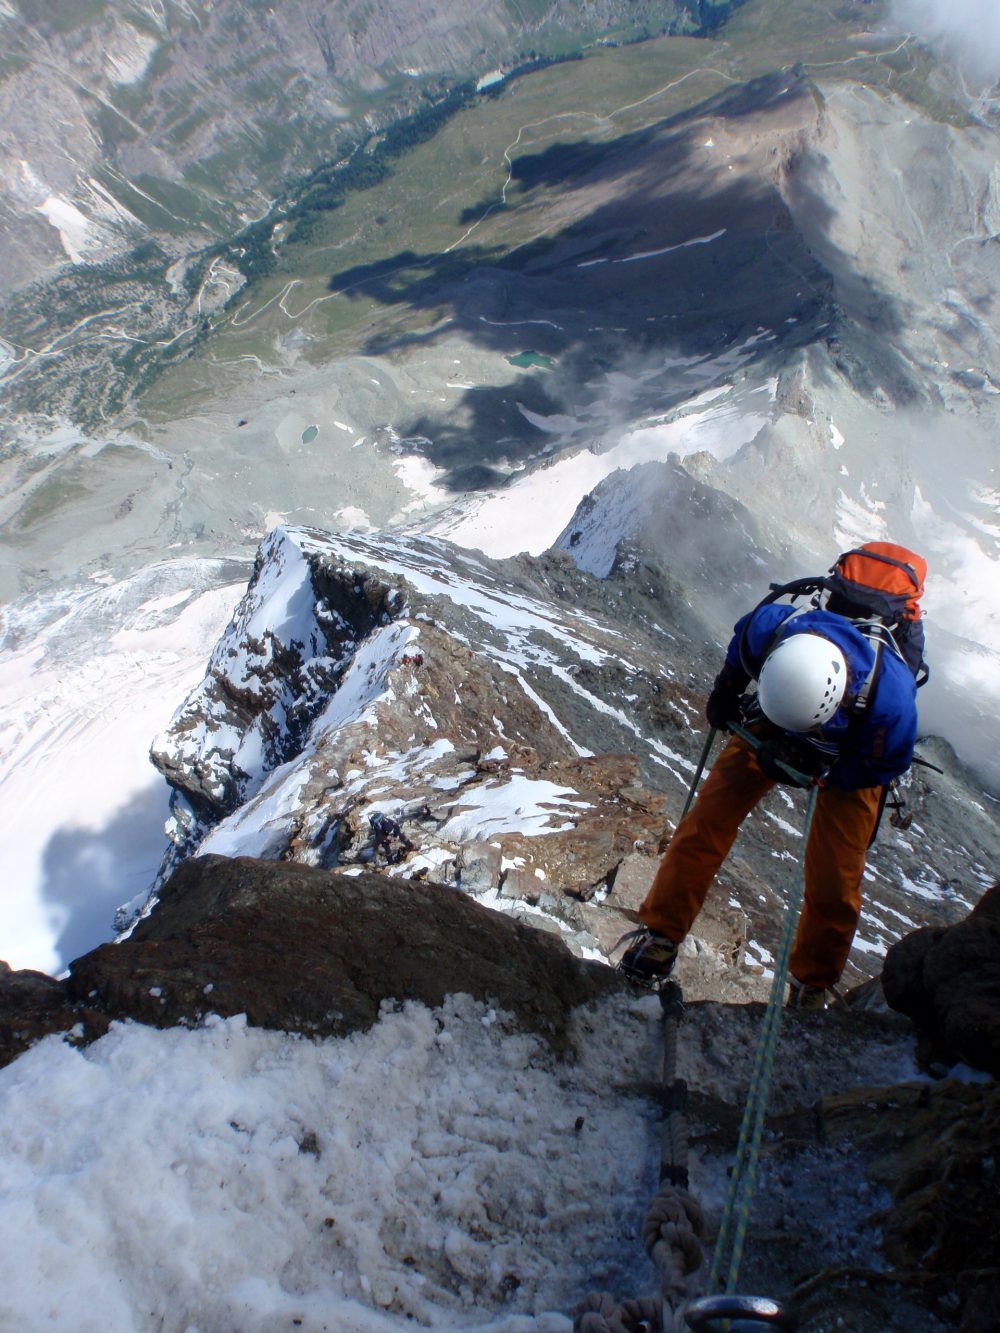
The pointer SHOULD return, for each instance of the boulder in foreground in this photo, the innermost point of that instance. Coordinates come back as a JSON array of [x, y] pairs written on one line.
[[313, 951]]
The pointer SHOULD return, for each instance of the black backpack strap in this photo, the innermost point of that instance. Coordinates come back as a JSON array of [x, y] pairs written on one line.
[[881, 811], [797, 588], [867, 692]]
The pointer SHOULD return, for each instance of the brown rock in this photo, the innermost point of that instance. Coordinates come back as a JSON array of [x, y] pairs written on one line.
[[933, 1146], [724, 928], [305, 950], [522, 884], [607, 927], [32, 1005], [947, 979], [632, 880]]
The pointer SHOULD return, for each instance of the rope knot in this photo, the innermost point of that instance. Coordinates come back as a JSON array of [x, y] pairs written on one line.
[[601, 1313], [672, 1234]]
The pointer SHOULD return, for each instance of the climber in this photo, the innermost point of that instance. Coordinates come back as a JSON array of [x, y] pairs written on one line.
[[386, 832], [835, 707]]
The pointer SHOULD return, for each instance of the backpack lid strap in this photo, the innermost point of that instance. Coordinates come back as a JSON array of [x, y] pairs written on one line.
[[904, 565]]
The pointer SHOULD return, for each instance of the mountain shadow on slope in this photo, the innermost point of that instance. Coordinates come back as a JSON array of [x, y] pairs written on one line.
[[671, 253]]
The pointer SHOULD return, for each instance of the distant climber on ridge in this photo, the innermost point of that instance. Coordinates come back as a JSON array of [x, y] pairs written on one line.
[[388, 837], [835, 707]]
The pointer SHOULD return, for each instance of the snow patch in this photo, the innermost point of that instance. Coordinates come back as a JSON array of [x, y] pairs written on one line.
[[75, 230], [524, 805]]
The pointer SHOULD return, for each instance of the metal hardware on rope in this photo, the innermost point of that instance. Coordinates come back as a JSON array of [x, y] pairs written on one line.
[[736, 1214], [703, 1315], [706, 751]]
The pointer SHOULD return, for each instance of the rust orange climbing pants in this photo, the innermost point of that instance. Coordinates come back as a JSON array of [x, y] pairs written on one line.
[[842, 826]]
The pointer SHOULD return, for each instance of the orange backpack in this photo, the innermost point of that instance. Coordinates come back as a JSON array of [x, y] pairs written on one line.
[[877, 585], [878, 579]]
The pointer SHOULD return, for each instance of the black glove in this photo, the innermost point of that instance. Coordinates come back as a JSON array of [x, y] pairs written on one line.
[[725, 703], [775, 759]]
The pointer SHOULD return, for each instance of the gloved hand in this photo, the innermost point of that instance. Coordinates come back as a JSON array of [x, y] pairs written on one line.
[[774, 759], [725, 702]]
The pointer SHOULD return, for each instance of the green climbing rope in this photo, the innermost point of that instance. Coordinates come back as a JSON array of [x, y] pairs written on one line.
[[728, 1252]]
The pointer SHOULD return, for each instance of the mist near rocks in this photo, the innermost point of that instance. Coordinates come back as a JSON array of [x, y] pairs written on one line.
[[968, 30]]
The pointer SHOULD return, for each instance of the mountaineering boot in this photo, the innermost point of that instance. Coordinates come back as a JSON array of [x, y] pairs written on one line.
[[648, 959], [810, 998]]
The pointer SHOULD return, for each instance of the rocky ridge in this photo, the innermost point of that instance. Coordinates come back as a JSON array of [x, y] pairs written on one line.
[[533, 739]]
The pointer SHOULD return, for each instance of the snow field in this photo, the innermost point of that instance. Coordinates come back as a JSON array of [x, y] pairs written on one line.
[[440, 1167], [530, 514], [79, 704]]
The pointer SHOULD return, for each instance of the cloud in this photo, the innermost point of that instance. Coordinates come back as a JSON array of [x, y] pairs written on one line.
[[968, 31]]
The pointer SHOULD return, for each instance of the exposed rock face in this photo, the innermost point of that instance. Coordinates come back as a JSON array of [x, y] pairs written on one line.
[[270, 675], [32, 1005], [947, 979], [933, 1147], [658, 514], [307, 951], [337, 692]]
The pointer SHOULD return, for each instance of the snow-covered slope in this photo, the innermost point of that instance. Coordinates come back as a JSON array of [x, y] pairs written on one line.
[[85, 680]]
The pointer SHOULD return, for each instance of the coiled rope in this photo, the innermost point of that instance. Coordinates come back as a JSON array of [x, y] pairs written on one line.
[[673, 1227], [730, 1241]]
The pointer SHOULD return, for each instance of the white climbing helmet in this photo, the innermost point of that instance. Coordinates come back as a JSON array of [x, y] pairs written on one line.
[[802, 682]]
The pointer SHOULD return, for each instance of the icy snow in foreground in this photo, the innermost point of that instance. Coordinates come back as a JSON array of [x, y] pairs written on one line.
[[438, 1168]]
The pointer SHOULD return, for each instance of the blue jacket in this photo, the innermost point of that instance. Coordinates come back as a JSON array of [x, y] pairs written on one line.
[[872, 749]]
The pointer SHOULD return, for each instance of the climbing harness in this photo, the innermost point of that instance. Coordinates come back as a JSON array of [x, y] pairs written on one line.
[[706, 751], [729, 1244], [796, 778]]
